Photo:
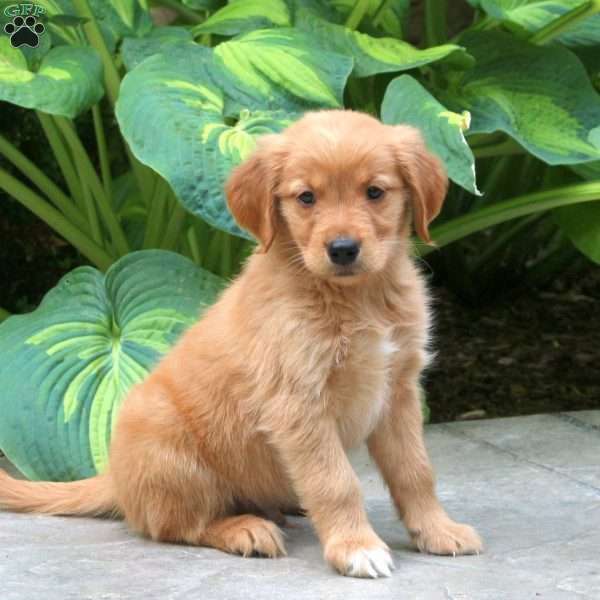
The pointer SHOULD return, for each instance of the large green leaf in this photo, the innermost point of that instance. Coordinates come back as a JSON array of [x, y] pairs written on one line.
[[583, 35], [279, 69], [374, 54], [67, 366], [407, 101], [541, 97], [246, 15], [68, 81], [581, 222], [590, 170], [136, 49], [171, 113], [132, 15], [532, 15], [120, 18]]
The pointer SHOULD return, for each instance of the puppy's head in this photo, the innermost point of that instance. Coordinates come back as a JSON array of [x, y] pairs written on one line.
[[341, 189]]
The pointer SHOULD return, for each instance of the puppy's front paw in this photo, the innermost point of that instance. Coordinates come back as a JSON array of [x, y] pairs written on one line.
[[356, 559], [441, 535]]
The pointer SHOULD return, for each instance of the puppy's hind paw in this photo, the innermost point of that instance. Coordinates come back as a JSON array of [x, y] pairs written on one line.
[[247, 535]]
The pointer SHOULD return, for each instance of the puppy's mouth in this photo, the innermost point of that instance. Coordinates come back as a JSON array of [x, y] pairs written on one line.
[[347, 271]]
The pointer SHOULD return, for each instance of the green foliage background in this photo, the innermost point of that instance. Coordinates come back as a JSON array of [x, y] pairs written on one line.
[[506, 94]]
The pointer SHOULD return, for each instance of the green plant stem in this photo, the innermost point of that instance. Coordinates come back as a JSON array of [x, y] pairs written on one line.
[[176, 222], [156, 214], [112, 81], [357, 14], [184, 248], [380, 12], [562, 256], [500, 241], [62, 156], [90, 208], [483, 25], [435, 22], [245, 249], [37, 205], [508, 146], [91, 178], [102, 150], [497, 171], [43, 182], [86, 194], [520, 206], [192, 238], [143, 174], [4, 314], [213, 251], [183, 11], [565, 22], [361, 94], [226, 266]]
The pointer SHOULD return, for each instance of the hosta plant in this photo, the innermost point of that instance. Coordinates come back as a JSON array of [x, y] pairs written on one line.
[[177, 93]]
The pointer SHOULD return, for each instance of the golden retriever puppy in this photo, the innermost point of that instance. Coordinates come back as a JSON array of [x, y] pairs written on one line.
[[315, 348]]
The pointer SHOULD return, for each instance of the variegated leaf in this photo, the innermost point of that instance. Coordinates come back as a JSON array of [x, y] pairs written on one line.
[[68, 81], [241, 16], [533, 15], [280, 69], [173, 110], [407, 101], [374, 55], [67, 366], [544, 100]]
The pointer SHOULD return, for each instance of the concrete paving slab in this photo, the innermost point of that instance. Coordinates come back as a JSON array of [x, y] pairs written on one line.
[[531, 485]]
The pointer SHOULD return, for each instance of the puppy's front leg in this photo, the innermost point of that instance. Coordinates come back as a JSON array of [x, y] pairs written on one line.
[[397, 446], [329, 490]]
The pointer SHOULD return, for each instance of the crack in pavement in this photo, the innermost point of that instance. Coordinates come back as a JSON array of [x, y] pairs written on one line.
[[578, 423], [456, 432]]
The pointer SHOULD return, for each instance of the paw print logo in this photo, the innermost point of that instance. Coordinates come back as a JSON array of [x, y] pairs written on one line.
[[24, 32]]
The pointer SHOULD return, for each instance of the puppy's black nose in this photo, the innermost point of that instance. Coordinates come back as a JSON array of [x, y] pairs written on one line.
[[343, 251]]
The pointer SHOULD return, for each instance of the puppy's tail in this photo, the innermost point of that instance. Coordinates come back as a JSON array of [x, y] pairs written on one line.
[[92, 497]]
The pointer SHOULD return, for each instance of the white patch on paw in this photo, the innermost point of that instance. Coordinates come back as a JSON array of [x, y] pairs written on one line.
[[373, 563]]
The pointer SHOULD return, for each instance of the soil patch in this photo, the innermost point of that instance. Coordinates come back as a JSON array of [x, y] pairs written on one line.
[[537, 352]]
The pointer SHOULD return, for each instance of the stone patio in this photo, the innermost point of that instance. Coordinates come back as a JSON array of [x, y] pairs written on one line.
[[531, 485]]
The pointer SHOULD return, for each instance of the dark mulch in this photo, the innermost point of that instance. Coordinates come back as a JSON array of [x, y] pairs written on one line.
[[32, 258], [537, 352]]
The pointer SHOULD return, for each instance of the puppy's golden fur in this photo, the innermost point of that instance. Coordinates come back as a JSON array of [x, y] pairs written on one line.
[[251, 413]]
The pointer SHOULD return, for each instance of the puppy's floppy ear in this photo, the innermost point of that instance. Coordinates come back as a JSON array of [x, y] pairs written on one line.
[[251, 188], [423, 173]]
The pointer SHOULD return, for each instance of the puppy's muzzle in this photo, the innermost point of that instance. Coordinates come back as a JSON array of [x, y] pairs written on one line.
[[343, 251]]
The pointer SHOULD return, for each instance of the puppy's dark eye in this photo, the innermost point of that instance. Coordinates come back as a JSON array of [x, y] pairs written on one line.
[[306, 198], [374, 193]]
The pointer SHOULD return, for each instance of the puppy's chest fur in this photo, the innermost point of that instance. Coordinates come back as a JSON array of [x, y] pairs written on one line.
[[359, 382]]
